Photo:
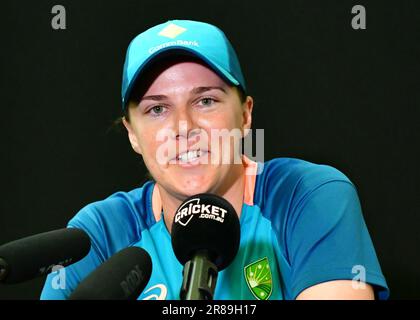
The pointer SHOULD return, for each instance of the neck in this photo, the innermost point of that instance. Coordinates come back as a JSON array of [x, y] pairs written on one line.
[[233, 192]]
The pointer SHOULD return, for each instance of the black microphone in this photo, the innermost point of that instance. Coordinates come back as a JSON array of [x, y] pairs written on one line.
[[205, 239], [122, 277], [34, 256]]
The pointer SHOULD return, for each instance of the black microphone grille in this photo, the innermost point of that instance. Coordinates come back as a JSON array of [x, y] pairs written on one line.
[[206, 222]]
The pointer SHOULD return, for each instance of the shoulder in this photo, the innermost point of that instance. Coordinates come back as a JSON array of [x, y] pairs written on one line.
[[291, 177], [117, 221], [297, 171], [284, 184]]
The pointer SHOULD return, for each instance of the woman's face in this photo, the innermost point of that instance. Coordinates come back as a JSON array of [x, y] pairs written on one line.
[[182, 106]]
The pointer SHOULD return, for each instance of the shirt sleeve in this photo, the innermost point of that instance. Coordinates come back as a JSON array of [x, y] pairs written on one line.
[[327, 239]]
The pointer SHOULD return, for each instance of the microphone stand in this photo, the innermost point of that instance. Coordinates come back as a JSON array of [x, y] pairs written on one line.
[[199, 278]]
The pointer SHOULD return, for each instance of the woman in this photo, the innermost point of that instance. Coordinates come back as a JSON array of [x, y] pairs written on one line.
[[301, 223]]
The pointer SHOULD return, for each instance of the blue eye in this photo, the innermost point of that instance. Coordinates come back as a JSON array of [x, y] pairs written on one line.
[[207, 101], [156, 110]]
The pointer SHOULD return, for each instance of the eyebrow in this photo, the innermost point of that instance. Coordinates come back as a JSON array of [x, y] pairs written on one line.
[[197, 90], [204, 89]]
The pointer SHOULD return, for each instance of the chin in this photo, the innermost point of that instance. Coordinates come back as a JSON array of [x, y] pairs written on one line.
[[191, 186], [192, 190]]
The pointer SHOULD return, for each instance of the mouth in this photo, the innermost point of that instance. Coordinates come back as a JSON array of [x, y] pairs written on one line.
[[190, 157]]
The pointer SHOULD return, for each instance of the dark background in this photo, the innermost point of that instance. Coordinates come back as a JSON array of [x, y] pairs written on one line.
[[323, 92]]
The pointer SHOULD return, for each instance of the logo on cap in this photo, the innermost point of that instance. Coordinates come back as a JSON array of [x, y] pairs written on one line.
[[172, 31]]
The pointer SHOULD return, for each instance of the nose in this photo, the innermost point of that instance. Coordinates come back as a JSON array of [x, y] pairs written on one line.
[[185, 125]]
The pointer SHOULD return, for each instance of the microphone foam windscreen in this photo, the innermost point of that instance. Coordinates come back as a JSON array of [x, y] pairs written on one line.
[[122, 277], [206, 222], [27, 258]]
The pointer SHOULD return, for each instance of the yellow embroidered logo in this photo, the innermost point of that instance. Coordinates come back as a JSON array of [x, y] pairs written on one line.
[[172, 31]]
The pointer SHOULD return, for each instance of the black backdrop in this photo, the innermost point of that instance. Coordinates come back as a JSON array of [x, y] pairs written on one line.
[[324, 92]]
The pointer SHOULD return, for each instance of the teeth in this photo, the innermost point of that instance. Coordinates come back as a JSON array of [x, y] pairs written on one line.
[[189, 156]]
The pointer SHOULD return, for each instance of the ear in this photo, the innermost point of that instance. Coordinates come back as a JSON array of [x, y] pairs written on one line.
[[247, 115], [132, 136]]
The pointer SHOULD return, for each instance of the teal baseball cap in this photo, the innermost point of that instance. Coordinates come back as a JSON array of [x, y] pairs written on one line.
[[199, 39]]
